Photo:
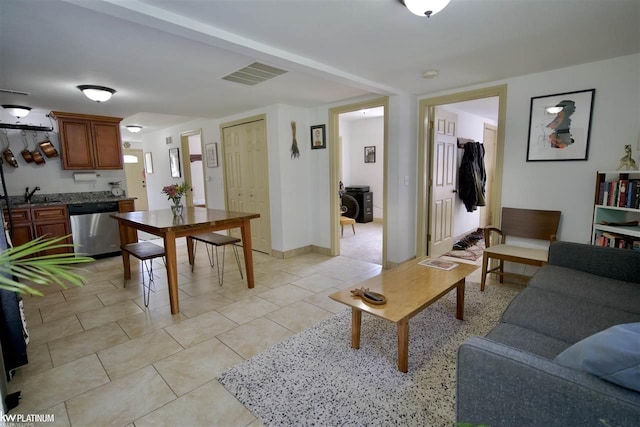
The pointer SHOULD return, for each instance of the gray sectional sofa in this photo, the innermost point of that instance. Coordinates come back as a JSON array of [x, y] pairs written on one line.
[[511, 377]]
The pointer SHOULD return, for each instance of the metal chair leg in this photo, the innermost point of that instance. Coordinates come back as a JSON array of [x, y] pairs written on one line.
[[235, 249]]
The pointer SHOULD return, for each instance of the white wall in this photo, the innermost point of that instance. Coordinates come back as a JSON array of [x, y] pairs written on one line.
[[568, 186], [50, 176], [357, 134]]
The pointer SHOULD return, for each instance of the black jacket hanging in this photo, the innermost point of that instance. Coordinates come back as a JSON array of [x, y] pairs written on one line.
[[472, 176]]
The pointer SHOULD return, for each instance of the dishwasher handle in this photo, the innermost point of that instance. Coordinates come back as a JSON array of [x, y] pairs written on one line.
[[92, 208]]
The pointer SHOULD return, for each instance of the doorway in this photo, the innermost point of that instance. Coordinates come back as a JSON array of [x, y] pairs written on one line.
[[191, 144], [135, 177], [427, 152], [359, 161]]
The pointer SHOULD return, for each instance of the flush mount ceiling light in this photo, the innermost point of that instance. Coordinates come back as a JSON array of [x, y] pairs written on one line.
[[134, 128], [97, 93], [17, 111], [429, 74], [425, 7]]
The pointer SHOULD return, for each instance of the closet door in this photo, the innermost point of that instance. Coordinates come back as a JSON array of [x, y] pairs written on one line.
[[247, 178]]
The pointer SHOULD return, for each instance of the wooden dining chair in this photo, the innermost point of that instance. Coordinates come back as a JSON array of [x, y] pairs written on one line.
[[524, 223], [146, 252], [215, 240]]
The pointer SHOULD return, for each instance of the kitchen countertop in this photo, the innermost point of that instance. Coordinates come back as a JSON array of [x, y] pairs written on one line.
[[38, 200]]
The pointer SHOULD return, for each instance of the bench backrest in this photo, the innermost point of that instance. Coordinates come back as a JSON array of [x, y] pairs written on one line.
[[530, 223]]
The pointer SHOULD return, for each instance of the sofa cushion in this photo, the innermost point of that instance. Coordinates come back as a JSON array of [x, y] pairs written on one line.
[[527, 340], [597, 289], [613, 355], [563, 317]]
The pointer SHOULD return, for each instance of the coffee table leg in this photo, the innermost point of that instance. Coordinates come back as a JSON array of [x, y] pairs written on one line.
[[356, 321], [403, 345], [460, 300]]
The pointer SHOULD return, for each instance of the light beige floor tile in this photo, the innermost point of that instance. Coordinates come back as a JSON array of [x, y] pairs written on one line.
[[32, 302], [246, 310], [75, 346], [239, 291], [56, 385], [251, 338], [120, 294], [159, 298], [274, 279], [58, 412], [91, 288], [285, 295], [79, 305], [112, 404], [149, 321], [299, 316], [190, 368], [209, 405], [317, 283], [195, 306], [111, 313], [201, 286], [33, 317], [322, 300], [39, 361], [135, 354], [55, 329], [200, 328]]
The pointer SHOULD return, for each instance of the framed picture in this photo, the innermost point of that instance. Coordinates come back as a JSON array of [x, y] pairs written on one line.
[[451, 128], [370, 154], [318, 137], [441, 126], [148, 163], [211, 151], [560, 126], [174, 162]]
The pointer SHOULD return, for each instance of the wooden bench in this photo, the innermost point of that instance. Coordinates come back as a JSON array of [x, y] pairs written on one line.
[[525, 223]]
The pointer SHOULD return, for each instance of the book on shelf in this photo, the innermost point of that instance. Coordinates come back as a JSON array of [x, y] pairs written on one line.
[[621, 193], [440, 264], [614, 240]]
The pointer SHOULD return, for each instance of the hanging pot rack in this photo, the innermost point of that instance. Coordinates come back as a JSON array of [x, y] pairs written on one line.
[[20, 126]]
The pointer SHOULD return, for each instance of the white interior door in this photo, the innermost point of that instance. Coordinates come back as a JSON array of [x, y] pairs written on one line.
[[136, 180], [247, 178], [489, 141], [443, 181]]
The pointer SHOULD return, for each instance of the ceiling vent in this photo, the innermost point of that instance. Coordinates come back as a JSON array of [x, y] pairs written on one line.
[[254, 74], [14, 92]]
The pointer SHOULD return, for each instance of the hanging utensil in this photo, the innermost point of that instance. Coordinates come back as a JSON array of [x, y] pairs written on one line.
[[47, 147], [26, 154], [7, 153], [37, 157]]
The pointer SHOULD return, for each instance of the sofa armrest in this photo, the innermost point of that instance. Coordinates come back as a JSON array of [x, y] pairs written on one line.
[[499, 385], [618, 264]]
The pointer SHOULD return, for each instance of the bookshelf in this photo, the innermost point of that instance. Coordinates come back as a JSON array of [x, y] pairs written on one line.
[[616, 204]]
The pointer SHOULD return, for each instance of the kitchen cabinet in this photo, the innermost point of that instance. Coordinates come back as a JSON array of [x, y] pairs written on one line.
[[46, 221], [89, 142]]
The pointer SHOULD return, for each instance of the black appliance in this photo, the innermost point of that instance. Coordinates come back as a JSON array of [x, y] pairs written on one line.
[[364, 197]]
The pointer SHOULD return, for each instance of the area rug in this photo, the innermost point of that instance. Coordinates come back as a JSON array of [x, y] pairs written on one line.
[[316, 378], [471, 253]]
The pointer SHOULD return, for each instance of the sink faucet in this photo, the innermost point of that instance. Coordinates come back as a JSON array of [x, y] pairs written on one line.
[[28, 196]]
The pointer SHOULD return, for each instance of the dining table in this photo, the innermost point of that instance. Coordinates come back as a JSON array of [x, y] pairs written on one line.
[[194, 220]]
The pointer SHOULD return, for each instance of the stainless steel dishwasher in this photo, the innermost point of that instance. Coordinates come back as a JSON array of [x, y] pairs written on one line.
[[93, 229]]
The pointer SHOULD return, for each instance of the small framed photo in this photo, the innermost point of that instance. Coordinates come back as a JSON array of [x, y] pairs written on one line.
[[451, 128], [174, 162], [441, 126], [318, 137], [370, 154], [211, 151], [559, 126], [148, 163]]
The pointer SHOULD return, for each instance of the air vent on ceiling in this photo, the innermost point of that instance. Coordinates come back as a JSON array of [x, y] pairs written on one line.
[[254, 74], [14, 92]]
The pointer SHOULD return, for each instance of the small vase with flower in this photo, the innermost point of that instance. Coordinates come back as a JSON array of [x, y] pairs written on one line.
[[174, 193]]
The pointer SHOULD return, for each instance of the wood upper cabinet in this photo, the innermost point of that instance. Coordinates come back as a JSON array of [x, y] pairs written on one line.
[[89, 142]]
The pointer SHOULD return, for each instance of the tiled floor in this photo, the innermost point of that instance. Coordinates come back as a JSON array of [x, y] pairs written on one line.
[[99, 357], [365, 244]]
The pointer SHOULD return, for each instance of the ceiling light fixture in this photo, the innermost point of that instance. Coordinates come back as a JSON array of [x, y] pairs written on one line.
[[425, 7], [97, 93], [18, 111], [134, 128], [429, 74]]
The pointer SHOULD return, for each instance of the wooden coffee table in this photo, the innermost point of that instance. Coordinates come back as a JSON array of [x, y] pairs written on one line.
[[409, 289]]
